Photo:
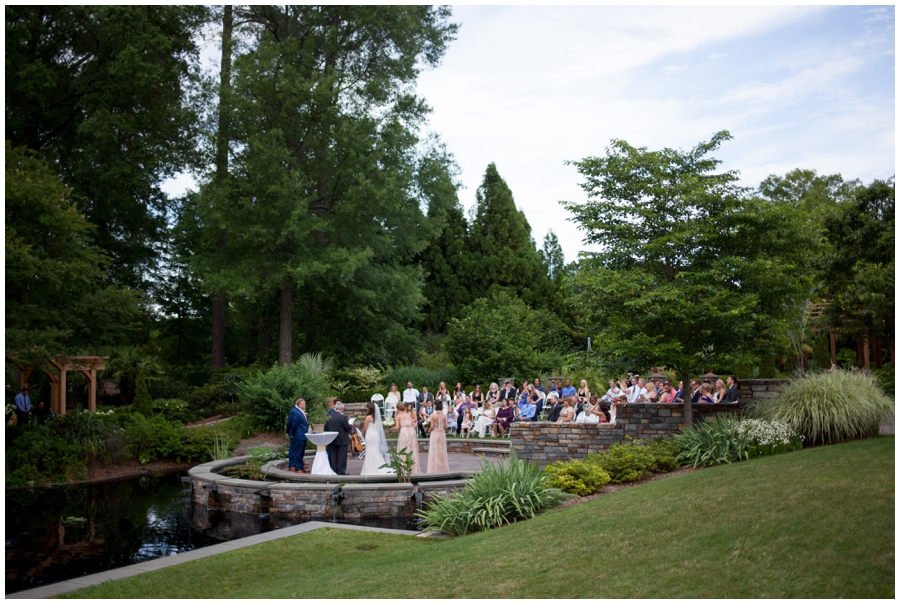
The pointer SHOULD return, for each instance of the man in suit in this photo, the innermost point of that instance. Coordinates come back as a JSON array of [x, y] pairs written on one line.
[[341, 444], [553, 399], [508, 391], [732, 395], [422, 399], [297, 427]]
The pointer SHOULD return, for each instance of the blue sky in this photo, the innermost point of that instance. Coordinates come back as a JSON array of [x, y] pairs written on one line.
[[529, 87]]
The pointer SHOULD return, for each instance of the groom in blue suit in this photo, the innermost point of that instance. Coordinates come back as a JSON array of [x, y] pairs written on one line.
[[297, 427]]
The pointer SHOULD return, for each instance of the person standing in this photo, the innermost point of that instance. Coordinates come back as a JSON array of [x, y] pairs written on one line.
[[341, 444], [411, 397], [23, 406], [406, 437], [437, 444], [297, 427]]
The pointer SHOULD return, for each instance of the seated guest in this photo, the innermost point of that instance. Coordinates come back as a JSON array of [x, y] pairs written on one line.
[[41, 412], [467, 422], [695, 391], [720, 391], [679, 394], [493, 394], [612, 392], [477, 396], [555, 406], [486, 419], [599, 415], [425, 413], [732, 395], [651, 396], [706, 394], [584, 394], [568, 412], [504, 418], [462, 404], [668, 393], [569, 390], [527, 411]]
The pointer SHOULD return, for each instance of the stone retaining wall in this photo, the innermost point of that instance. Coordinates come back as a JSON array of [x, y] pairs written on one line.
[[760, 390], [544, 442]]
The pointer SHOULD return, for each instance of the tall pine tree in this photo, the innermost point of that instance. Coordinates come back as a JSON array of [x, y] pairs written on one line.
[[504, 253]]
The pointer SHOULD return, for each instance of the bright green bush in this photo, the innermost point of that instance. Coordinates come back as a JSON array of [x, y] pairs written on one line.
[[268, 397], [497, 495], [831, 407], [143, 402], [625, 462], [712, 442], [151, 439], [576, 477]]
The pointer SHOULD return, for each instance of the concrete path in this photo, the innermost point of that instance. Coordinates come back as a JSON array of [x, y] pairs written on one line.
[[54, 589]]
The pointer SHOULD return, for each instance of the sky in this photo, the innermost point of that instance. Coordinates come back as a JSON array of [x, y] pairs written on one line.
[[531, 87]]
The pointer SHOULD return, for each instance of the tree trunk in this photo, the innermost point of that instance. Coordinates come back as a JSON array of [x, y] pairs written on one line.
[[686, 395], [284, 323], [222, 138]]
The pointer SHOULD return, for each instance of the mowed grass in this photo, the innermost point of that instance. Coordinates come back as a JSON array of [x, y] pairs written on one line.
[[818, 523]]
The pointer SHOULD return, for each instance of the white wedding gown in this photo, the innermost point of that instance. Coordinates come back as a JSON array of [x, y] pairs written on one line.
[[376, 449]]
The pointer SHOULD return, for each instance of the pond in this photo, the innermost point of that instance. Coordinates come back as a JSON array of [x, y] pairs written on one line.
[[57, 533]]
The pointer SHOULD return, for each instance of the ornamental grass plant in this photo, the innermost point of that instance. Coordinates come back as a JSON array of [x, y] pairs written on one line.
[[832, 407], [715, 441], [497, 495]]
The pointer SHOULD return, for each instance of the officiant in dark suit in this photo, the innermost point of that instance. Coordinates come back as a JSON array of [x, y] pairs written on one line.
[[337, 457]]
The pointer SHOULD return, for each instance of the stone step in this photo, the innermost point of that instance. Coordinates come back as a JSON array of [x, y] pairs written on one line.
[[490, 451]]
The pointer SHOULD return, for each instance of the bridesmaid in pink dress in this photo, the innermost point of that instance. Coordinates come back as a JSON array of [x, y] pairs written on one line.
[[437, 445], [407, 437]]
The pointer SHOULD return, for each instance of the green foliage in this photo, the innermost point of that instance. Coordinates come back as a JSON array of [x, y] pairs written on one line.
[[269, 396], [99, 91], [712, 442], [151, 439], [885, 377], [37, 456], [259, 456], [503, 254], [503, 336], [767, 368], [446, 262], [576, 477], [632, 461], [143, 402], [831, 407], [497, 495], [57, 300], [207, 443], [174, 410], [692, 268], [402, 463], [420, 376], [81, 428]]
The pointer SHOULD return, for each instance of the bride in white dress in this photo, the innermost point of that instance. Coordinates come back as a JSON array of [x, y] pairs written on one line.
[[376, 445]]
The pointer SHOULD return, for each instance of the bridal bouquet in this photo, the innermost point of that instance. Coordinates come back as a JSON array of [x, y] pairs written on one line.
[[388, 422], [426, 424]]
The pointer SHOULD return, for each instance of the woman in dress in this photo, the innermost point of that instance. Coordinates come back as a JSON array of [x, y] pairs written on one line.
[[503, 419], [483, 423], [458, 392], [706, 394], [437, 444], [597, 412], [568, 412], [721, 391], [493, 394], [652, 395], [376, 445], [406, 439], [478, 396], [584, 393], [443, 395], [391, 400]]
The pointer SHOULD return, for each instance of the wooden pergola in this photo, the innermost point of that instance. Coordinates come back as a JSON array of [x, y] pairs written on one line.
[[87, 365]]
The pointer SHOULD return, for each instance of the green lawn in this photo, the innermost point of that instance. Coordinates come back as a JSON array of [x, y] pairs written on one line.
[[817, 523]]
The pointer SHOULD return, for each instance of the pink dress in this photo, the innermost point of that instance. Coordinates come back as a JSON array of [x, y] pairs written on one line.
[[437, 446], [407, 439]]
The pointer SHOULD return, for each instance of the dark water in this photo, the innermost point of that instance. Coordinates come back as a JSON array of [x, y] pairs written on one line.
[[57, 533]]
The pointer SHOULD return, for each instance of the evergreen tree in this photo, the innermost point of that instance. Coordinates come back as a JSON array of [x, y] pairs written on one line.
[[503, 251], [553, 257], [445, 262]]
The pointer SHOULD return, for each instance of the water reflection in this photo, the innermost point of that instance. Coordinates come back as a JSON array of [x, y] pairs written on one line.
[[57, 533]]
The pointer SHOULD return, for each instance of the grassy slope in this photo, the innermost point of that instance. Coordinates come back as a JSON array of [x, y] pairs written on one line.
[[816, 523]]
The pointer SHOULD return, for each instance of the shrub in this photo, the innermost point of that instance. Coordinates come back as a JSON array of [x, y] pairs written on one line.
[[712, 442], [151, 439], [174, 410], [37, 456], [269, 396], [576, 477], [625, 462], [831, 407], [665, 455], [495, 496], [206, 443], [885, 377], [81, 428], [143, 402], [768, 437]]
